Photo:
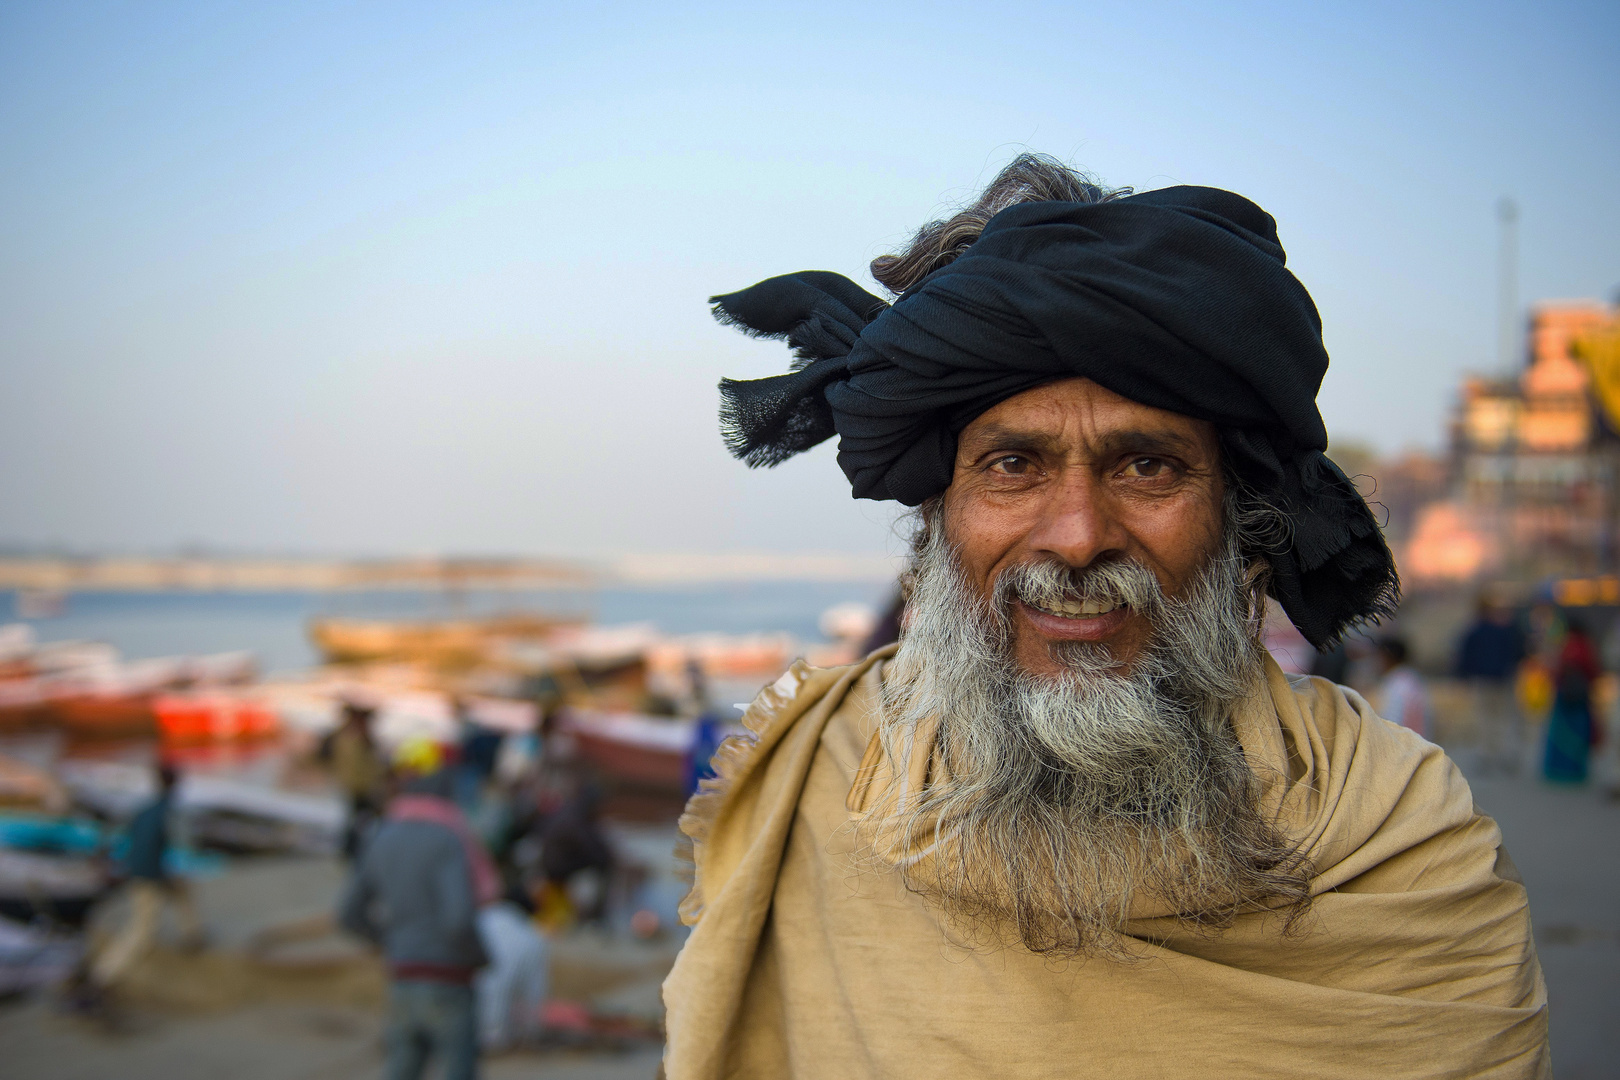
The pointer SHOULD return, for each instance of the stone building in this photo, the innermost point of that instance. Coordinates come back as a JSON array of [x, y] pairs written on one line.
[[1535, 462]]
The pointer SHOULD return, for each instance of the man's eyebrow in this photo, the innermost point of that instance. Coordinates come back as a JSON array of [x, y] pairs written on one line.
[[1109, 444], [1002, 437], [1159, 441]]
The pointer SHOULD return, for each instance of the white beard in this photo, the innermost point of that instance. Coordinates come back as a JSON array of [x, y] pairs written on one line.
[[1060, 800]]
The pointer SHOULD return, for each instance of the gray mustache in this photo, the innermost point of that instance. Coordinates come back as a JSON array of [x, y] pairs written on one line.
[[1048, 583]]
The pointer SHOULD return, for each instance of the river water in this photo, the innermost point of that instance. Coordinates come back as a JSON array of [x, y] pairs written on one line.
[[273, 625]]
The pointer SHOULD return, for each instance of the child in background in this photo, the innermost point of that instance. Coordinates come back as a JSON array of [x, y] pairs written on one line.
[[1401, 694]]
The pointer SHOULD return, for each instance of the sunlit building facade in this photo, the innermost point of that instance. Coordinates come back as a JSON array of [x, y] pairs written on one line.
[[1535, 486]]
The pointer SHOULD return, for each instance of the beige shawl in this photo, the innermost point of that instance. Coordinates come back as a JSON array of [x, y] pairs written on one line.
[[1416, 959]]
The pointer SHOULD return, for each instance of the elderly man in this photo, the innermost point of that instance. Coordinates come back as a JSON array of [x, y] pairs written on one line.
[[1079, 823]]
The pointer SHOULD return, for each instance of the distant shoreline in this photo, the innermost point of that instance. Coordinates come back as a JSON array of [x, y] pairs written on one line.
[[60, 574]]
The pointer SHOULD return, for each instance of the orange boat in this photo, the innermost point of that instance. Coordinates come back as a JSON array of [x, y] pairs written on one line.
[[198, 718], [103, 714]]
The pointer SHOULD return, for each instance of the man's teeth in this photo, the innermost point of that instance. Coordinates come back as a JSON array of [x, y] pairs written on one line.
[[1071, 609]]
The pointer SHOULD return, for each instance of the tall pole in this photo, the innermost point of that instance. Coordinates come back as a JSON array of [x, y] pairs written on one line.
[[1508, 343]]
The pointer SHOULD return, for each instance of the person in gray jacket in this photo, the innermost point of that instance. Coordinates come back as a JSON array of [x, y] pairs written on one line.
[[415, 892]]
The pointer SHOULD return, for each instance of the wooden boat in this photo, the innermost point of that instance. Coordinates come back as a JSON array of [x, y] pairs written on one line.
[[49, 868], [644, 751], [451, 643], [23, 704], [112, 699], [233, 816], [732, 656], [103, 714], [24, 785], [57, 888]]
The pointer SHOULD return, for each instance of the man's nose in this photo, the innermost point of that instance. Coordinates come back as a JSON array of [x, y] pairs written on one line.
[[1080, 523]]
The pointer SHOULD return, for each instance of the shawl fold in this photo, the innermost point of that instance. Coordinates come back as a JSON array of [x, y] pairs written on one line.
[[1178, 299], [1416, 958]]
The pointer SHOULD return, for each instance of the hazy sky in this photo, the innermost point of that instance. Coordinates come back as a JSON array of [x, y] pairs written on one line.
[[405, 278]]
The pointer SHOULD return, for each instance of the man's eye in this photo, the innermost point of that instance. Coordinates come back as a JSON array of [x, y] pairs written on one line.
[[1011, 465], [1146, 467]]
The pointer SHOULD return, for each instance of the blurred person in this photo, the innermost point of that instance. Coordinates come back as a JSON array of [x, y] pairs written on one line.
[[1291, 649], [358, 767], [1332, 664], [1604, 766], [1102, 406], [705, 728], [477, 750], [1488, 657], [519, 761], [512, 988], [572, 843], [700, 755], [480, 744], [1402, 697], [1572, 729], [151, 889], [416, 891]]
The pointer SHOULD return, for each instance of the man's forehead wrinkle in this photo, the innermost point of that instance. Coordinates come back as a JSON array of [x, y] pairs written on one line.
[[1088, 418], [1085, 435], [1028, 436], [1161, 440]]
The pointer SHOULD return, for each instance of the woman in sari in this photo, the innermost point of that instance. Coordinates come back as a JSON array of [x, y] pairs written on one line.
[[1571, 729]]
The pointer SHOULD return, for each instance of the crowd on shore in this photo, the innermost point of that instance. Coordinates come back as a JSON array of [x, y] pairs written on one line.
[[464, 857], [1524, 688]]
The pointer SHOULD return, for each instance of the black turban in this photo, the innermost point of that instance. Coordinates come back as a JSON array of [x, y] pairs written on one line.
[[1177, 299]]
